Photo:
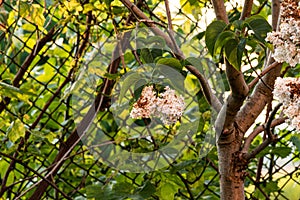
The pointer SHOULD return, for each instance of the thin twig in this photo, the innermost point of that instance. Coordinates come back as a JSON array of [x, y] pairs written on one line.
[[170, 25], [264, 72], [257, 131], [271, 137], [35, 172]]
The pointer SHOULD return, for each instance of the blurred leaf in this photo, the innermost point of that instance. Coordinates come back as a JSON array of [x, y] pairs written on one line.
[[16, 130], [24, 8], [146, 56], [200, 35], [167, 191], [282, 152], [296, 141], [147, 190], [129, 81]]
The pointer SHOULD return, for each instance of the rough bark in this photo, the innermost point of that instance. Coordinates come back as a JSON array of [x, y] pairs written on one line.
[[231, 169]]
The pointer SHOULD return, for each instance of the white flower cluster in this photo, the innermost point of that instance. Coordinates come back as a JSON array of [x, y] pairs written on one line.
[[287, 90], [167, 105], [286, 41]]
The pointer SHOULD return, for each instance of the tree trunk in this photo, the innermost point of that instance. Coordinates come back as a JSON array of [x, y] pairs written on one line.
[[231, 168]]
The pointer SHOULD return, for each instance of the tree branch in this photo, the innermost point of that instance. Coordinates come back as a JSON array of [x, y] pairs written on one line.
[[264, 72], [271, 137], [246, 9], [140, 15], [170, 26], [275, 14], [35, 50], [211, 99], [261, 95], [239, 91], [76, 135], [170, 41], [257, 131], [220, 10], [21, 162]]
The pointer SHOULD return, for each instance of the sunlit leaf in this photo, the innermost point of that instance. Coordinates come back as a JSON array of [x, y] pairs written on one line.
[[172, 62], [16, 130]]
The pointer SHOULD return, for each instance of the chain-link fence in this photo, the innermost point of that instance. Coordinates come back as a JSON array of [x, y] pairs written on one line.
[[58, 66]]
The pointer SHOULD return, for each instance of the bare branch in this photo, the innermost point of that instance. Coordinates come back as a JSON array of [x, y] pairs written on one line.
[[220, 10], [141, 16], [246, 9], [211, 99], [170, 26], [35, 172], [74, 138], [37, 47], [271, 137], [257, 131], [264, 72]]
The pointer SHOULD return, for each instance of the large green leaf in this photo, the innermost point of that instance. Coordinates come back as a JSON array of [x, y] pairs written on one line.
[[259, 25], [222, 39], [212, 33], [172, 62], [231, 53], [234, 52]]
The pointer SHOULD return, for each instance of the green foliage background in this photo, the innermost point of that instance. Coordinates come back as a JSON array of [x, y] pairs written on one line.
[[45, 45]]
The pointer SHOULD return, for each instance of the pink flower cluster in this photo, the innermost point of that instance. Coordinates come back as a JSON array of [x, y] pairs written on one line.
[[286, 41], [287, 90], [167, 105]]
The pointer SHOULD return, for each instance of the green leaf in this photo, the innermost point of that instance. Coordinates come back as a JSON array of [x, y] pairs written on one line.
[[222, 39], [212, 33], [146, 56], [87, 8], [231, 53], [16, 130], [172, 62], [238, 24], [282, 152], [259, 25], [200, 35], [117, 10], [147, 190], [240, 51], [167, 191], [172, 77], [158, 40], [129, 81], [24, 9], [296, 141]]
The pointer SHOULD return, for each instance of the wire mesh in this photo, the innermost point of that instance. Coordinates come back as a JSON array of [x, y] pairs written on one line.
[[41, 56]]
